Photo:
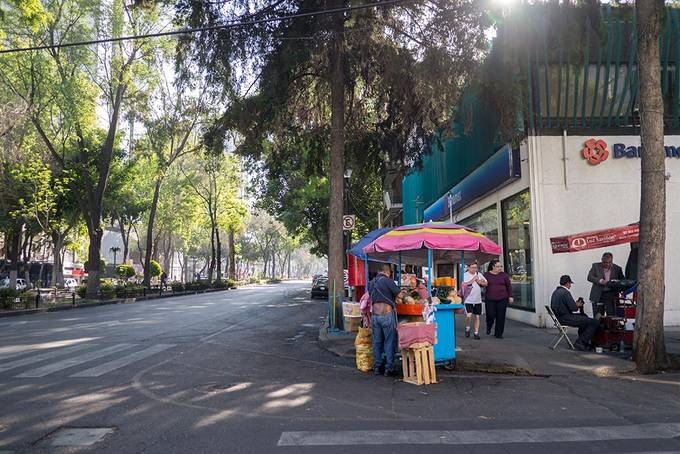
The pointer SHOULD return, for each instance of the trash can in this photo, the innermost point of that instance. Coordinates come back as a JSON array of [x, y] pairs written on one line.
[[445, 348]]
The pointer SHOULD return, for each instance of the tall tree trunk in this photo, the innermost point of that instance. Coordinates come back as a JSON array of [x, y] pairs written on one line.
[[335, 243], [274, 265], [218, 258], [13, 238], [94, 272], [289, 254], [232, 254], [649, 349], [57, 248], [211, 268], [125, 236], [149, 233]]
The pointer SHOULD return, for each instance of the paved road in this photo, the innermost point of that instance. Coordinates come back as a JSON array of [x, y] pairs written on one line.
[[241, 371]]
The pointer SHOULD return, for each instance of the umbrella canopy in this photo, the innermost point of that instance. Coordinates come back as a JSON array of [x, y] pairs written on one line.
[[595, 239], [447, 242], [357, 249]]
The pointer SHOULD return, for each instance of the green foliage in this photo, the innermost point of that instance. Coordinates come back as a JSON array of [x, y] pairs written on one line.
[[102, 265], [156, 269], [81, 290], [177, 287], [107, 290], [7, 296], [125, 271]]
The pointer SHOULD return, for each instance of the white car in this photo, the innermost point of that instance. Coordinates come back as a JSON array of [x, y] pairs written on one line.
[[21, 284], [70, 283]]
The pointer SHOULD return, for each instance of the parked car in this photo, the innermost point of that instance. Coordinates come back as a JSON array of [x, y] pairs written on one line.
[[21, 284], [320, 287], [70, 283]]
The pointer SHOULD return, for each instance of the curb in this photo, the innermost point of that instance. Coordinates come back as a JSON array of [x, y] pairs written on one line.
[[68, 307]]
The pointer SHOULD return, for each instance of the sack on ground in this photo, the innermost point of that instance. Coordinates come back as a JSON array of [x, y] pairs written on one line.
[[364, 350]]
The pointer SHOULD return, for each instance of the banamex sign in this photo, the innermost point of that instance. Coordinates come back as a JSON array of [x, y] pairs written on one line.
[[596, 151]]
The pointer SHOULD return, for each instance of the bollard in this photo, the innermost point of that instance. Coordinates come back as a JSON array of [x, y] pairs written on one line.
[[73, 298], [37, 299]]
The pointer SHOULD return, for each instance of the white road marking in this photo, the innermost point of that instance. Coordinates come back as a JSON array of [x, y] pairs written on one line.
[[122, 362], [41, 357], [70, 362], [476, 437]]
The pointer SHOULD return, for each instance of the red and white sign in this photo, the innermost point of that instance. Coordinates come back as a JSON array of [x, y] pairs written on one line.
[[595, 239], [595, 151]]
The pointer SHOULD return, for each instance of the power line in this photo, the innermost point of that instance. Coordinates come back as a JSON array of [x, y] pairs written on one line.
[[204, 29]]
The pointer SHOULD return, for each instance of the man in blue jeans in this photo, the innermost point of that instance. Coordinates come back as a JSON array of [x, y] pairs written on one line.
[[383, 291]]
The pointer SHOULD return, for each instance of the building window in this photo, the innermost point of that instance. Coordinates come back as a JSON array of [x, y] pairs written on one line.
[[485, 222], [516, 213]]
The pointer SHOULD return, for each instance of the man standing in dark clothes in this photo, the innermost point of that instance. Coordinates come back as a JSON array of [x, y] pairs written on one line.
[[383, 291], [563, 305], [602, 297]]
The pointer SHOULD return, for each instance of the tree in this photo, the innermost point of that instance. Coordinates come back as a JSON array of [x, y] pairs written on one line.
[[390, 72], [125, 272], [63, 86], [649, 349], [215, 180], [48, 201], [171, 122]]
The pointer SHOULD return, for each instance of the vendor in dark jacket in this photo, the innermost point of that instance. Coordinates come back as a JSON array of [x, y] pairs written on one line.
[[383, 292], [564, 307]]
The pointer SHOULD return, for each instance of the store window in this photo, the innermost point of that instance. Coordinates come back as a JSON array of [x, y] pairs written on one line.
[[485, 222], [516, 213]]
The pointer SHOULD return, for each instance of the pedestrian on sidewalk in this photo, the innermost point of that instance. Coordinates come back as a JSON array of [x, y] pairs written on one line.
[[497, 296], [473, 300], [564, 307], [383, 292]]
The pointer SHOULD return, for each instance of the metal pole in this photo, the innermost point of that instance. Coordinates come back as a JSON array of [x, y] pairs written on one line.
[[366, 273], [429, 272], [399, 270], [462, 268]]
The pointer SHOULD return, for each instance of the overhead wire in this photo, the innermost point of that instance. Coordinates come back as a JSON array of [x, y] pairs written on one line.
[[185, 31]]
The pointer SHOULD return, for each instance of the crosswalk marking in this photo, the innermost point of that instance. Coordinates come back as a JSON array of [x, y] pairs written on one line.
[[474, 437], [124, 361], [70, 362], [40, 357]]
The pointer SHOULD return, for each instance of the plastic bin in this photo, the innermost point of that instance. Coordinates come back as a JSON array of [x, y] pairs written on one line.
[[445, 348]]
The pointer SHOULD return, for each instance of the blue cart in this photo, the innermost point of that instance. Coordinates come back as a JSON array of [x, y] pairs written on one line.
[[445, 348]]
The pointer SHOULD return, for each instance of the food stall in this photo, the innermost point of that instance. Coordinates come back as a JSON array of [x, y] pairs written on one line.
[[616, 332], [422, 245]]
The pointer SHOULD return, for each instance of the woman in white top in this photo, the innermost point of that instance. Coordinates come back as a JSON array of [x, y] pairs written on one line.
[[473, 303]]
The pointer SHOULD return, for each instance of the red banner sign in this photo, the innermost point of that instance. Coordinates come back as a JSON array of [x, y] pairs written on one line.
[[595, 239]]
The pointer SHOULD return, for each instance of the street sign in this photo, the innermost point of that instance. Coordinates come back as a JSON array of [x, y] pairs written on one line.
[[348, 222]]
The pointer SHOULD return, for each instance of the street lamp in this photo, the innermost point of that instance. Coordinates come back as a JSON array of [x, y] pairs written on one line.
[[115, 250]]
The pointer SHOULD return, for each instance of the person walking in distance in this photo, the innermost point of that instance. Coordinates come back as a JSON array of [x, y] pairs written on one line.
[[383, 292], [474, 281], [497, 296]]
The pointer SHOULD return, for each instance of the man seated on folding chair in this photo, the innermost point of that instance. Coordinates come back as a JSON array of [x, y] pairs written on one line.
[[564, 307]]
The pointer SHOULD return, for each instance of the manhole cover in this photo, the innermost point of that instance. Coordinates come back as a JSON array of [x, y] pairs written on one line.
[[79, 436]]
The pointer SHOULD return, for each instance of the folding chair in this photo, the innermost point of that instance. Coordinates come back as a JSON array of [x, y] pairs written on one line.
[[561, 331]]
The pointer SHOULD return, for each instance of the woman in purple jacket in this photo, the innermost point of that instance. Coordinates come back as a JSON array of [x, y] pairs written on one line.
[[498, 294]]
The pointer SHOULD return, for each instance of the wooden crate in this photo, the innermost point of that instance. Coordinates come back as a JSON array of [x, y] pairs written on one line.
[[418, 364]]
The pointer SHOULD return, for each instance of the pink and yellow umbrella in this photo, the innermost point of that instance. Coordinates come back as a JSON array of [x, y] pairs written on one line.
[[421, 244]]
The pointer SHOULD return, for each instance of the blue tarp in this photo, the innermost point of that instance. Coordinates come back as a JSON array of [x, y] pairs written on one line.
[[357, 249]]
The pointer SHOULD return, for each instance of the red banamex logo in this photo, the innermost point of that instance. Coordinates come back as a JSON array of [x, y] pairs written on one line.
[[595, 151]]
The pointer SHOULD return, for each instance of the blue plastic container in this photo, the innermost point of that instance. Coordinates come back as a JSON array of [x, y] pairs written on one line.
[[445, 348]]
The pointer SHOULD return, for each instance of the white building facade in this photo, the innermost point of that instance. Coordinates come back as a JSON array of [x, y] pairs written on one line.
[[559, 192]]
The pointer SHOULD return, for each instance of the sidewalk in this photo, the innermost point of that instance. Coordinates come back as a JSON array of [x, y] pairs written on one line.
[[523, 351]]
